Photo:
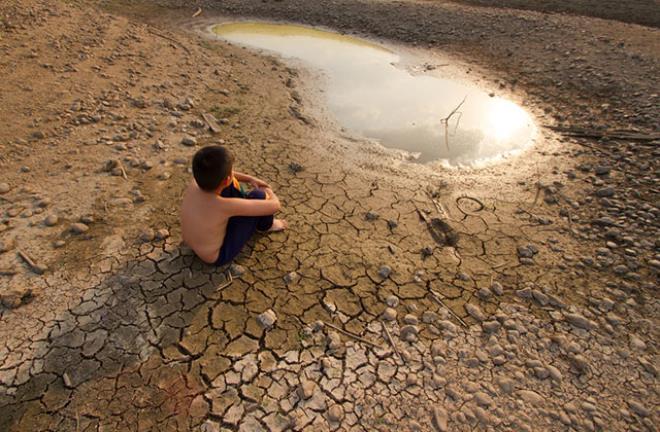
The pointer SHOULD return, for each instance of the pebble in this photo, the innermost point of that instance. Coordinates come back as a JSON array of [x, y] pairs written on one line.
[[410, 319], [335, 413], [51, 220], [497, 288], [579, 321], [530, 396], [384, 271], [306, 389], [209, 426], [267, 319], [79, 228], [474, 311], [162, 234], [389, 314], [4, 188], [409, 333], [291, 277], [392, 301], [236, 270], [15, 298], [440, 419], [189, 141], [491, 326], [638, 408], [371, 216], [147, 235]]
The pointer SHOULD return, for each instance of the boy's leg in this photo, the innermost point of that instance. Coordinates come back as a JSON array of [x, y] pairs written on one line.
[[240, 229]]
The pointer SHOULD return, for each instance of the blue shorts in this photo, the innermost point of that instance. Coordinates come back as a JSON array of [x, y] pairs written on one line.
[[241, 228]]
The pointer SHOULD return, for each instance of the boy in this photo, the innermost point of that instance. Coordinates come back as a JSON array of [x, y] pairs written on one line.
[[217, 217]]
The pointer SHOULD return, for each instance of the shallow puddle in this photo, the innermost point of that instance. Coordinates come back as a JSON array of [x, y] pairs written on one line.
[[370, 96]]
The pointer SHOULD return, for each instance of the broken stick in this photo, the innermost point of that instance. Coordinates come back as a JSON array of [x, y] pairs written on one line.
[[445, 121], [174, 41], [210, 121], [391, 341], [197, 13], [34, 266], [352, 335], [437, 298]]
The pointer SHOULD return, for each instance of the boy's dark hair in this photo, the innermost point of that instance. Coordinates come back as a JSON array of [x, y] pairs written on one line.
[[211, 165]]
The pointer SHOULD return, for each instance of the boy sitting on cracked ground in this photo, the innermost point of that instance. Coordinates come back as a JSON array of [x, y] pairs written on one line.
[[217, 216]]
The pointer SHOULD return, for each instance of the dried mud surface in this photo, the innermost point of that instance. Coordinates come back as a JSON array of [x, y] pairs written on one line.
[[538, 310]]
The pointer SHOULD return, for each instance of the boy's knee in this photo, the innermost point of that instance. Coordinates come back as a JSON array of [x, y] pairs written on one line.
[[257, 194]]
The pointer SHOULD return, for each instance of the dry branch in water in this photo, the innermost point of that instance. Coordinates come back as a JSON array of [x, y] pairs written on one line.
[[445, 121]]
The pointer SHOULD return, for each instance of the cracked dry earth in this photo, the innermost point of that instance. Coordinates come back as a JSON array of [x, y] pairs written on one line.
[[532, 314]]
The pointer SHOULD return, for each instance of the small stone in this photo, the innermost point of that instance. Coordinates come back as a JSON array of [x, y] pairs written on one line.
[[409, 333], [410, 319], [638, 408], [491, 326], [497, 288], [162, 234], [290, 278], [267, 319], [371, 216], [236, 270], [392, 301], [605, 192], [389, 314], [484, 294], [384, 271], [474, 311], [51, 220], [79, 228], [335, 413], [440, 419], [530, 396], [59, 243], [4, 188], [429, 317], [87, 219], [147, 235], [579, 321], [189, 141], [306, 389], [209, 426]]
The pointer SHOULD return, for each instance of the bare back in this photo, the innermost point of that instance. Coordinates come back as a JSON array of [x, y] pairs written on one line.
[[203, 222]]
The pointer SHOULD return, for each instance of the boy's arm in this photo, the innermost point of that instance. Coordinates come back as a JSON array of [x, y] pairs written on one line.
[[251, 207], [249, 179]]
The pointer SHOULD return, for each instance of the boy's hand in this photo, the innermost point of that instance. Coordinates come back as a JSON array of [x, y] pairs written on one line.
[[256, 183]]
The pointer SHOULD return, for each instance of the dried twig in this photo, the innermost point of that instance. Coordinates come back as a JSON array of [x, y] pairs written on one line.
[[34, 266], [470, 198], [229, 282], [388, 336], [197, 13], [211, 122], [445, 121], [352, 335], [123, 170], [174, 41], [437, 298]]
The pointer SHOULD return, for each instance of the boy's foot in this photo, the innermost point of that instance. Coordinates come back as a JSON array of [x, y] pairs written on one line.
[[278, 225]]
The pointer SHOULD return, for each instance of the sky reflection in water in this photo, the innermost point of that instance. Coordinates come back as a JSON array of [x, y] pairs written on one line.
[[370, 96]]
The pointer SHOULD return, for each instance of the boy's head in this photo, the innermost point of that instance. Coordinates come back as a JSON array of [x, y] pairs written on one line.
[[211, 166]]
